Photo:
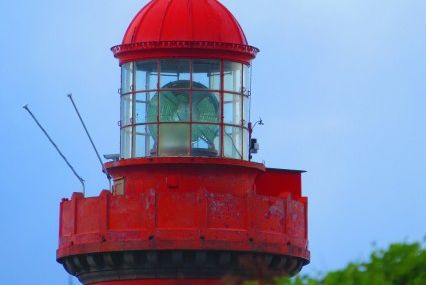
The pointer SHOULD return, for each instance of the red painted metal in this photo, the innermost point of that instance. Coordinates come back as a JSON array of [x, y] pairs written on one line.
[[179, 205], [184, 28], [185, 20], [189, 203], [184, 49]]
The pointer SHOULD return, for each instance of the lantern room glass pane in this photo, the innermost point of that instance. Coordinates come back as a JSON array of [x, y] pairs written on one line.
[[146, 75], [126, 142], [232, 139], [205, 140], [206, 74], [246, 79], [126, 110], [152, 108], [232, 76], [144, 141], [246, 144], [174, 106], [175, 74], [246, 110], [126, 77], [232, 109], [174, 139], [145, 107], [206, 107]]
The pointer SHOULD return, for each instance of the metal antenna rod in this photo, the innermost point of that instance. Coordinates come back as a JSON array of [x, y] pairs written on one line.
[[91, 140], [57, 149]]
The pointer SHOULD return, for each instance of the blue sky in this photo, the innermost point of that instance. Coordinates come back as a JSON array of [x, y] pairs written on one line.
[[340, 85]]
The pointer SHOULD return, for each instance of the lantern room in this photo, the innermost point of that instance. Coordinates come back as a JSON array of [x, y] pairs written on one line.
[[185, 107], [186, 90]]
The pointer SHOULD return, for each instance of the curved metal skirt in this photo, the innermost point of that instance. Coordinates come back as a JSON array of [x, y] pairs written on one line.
[[177, 265]]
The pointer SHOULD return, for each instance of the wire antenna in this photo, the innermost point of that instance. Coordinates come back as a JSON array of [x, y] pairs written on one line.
[[91, 140], [57, 148]]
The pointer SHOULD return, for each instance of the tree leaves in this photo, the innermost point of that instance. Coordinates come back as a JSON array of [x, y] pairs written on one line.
[[399, 264]]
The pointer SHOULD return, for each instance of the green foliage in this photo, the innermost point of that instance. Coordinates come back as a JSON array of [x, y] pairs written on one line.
[[400, 264]]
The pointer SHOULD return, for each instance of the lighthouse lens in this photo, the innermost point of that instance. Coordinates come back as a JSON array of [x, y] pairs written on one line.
[[174, 140], [174, 137]]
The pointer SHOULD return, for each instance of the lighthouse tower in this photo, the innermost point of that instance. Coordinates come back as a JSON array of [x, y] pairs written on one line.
[[187, 206]]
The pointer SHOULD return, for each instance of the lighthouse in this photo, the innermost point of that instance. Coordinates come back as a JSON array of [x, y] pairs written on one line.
[[188, 205]]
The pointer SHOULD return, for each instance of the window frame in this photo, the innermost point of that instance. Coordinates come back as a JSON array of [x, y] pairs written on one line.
[[244, 101]]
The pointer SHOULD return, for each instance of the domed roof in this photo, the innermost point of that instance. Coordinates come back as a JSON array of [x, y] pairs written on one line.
[[195, 28], [185, 20]]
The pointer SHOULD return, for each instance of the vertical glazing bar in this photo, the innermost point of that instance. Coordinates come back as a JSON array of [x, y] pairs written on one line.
[[222, 116], [147, 80], [249, 91], [133, 100], [234, 79], [242, 109], [121, 111], [147, 97], [249, 111], [158, 108], [190, 107]]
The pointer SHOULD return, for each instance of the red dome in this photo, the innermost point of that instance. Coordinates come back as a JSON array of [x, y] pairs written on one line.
[[195, 25], [183, 20]]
